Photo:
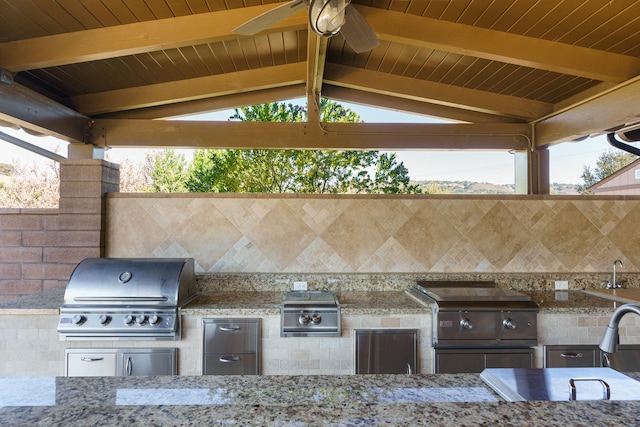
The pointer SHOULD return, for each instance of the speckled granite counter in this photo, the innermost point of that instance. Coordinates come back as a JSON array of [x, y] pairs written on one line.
[[268, 303], [287, 400], [571, 302], [352, 303]]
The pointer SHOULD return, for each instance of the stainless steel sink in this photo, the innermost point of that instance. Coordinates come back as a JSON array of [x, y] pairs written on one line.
[[554, 384]]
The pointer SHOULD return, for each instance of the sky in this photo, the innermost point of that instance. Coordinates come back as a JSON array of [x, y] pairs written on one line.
[[567, 160]]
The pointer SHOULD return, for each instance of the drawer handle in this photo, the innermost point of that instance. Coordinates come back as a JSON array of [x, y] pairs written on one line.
[[571, 355], [232, 359], [230, 328], [91, 359]]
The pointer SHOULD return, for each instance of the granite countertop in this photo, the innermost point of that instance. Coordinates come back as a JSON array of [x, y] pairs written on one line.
[[352, 303], [268, 303], [353, 400]]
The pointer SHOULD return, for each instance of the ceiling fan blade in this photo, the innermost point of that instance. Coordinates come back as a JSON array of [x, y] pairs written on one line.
[[357, 31], [267, 19]]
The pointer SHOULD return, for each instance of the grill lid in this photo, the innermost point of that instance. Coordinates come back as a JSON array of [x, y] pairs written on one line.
[[158, 282]]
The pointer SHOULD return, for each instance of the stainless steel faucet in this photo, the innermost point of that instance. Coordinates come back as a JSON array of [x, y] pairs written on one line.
[[609, 342], [613, 284]]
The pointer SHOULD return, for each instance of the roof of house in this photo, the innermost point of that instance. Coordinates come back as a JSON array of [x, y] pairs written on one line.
[[618, 180]]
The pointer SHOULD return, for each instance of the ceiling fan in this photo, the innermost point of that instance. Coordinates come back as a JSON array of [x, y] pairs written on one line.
[[326, 18]]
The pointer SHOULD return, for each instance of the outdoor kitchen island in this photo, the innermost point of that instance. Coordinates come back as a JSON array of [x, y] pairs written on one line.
[[352, 400]]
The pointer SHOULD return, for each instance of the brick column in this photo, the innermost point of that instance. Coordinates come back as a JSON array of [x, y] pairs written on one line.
[[81, 219], [39, 248]]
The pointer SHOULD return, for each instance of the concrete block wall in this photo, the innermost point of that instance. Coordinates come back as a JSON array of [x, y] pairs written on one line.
[[40, 247]]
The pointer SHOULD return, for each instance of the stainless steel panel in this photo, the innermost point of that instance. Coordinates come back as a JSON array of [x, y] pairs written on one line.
[[230, 336], [310, 313], [158, 282], [626, 359], [90, 362], [231, 346], [553, 384], [120, 362], [292, 327], [386, 351], [571, 356], [146, 362], [458, 361], [485, 328], [230, 364]]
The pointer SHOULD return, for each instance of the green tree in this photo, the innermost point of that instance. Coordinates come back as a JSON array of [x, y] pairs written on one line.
[[169, 173], [300, 171], [608, 163]]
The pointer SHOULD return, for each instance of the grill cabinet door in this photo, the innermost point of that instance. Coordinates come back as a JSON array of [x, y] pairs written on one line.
[[149, 361], [386, 351]]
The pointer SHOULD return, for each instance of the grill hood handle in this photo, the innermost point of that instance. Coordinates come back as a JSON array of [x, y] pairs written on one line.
[[120, 299]]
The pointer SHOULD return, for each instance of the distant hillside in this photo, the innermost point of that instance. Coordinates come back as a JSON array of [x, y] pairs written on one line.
[[468, 187]]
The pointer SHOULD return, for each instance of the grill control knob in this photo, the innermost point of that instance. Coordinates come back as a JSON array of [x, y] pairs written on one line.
[[466, 324], [153, 319], [304, 319], [78, 319], [316, 319], [103, 319], [128, 320], [140, 319], [508, 324]]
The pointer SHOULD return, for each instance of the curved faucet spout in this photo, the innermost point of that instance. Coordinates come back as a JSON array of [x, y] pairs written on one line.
[[614, 283], [609, 342]]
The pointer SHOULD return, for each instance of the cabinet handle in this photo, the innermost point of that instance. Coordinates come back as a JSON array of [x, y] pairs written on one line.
[[227, 359], [129, 367], [230, 328], [571, 355], [91, 359]]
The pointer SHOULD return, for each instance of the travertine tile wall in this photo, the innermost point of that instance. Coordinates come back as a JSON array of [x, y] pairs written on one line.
[[335, 355], [29, 345], [377, 234]]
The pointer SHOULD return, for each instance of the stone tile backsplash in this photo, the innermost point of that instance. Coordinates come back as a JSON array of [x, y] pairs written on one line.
[[428, 236]]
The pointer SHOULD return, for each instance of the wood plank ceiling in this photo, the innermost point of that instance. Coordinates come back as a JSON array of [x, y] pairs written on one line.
[[516, 74]]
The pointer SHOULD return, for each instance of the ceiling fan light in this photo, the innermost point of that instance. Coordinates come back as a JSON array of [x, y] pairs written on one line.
[[326, 17]]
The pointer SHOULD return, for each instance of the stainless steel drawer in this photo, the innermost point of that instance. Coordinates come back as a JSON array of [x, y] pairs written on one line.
[[231, 346], [230, 364], [90, 363], [571, 356], [230, 336]]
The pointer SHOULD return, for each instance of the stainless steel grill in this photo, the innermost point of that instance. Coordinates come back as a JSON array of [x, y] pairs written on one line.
[[126, 298], [482, 321], [310, 313]]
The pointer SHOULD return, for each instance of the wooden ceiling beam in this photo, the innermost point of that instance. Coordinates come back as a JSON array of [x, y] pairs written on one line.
[[190, 89], [436, 93], [36, 113], [131, 39], [316, 57], [207, 105], [410, 106], [500, 46], [306, 135], [618, 107]]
